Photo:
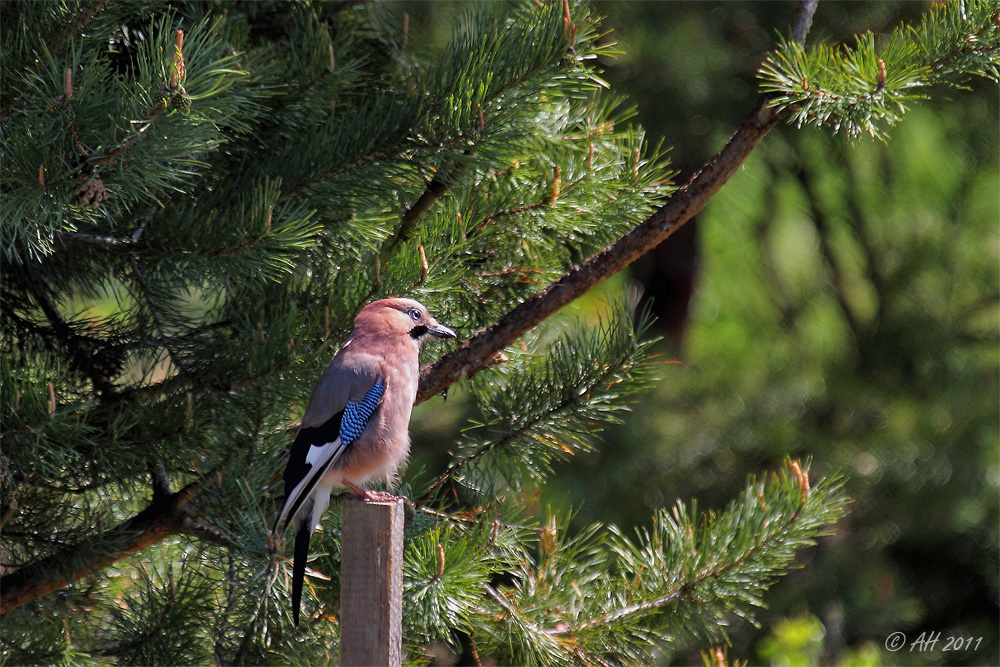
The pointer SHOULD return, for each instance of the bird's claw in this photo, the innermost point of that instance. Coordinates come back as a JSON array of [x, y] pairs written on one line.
[[360, 493]]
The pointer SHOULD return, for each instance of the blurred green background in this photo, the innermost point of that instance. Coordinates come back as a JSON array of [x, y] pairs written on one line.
[[836, 301]]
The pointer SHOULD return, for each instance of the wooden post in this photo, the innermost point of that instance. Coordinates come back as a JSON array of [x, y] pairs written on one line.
[[371, 583]]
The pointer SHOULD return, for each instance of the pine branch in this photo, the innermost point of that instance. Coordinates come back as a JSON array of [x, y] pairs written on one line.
[[435, 189], [117, 153], [54, 47], [480, 351], [865, 89], [155, 313], [547, 200], [159, 520], [679, 579], [442, 102], [369, 157], [286, 100], [163, 617], [167, 515], [577, 392]]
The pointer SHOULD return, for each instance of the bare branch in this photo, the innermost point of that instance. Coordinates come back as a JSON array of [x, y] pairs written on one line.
[[803, 19], [94, 239], [412, 216]]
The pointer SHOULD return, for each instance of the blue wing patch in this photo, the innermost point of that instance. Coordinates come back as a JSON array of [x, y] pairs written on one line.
[[356, 415]]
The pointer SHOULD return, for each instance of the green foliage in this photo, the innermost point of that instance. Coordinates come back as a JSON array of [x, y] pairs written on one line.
[[795, 642], [600, 595], [864, 89], [163, 623], [447, 565], [544, 406]]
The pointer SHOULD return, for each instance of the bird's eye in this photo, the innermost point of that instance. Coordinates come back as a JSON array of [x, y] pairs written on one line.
[[414, 314]]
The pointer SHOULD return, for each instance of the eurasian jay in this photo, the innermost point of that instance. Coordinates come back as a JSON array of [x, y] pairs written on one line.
[[355, 428]]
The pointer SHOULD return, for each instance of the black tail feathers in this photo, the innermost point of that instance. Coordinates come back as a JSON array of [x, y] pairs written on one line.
[[302, 536]]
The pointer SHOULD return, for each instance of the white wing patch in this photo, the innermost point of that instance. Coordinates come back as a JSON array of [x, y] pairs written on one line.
[[320, 453], [320, 458]]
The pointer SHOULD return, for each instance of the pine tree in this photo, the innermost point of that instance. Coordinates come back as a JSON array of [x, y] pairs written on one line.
[[197, 200]]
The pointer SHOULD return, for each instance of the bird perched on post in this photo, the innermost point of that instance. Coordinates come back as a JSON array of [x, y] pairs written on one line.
[[355, 428]]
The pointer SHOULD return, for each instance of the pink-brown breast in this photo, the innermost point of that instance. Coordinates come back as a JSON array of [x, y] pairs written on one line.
[[382, 449]]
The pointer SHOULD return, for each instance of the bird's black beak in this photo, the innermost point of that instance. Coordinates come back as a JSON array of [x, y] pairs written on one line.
[[440, 330]]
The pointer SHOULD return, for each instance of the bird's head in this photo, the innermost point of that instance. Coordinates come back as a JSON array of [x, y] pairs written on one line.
[[398, 317]]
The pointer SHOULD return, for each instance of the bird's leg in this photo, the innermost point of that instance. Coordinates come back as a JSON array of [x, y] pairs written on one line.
[[367, 494]]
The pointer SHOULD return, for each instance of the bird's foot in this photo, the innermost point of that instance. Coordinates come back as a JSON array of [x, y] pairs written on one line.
[[362, 493]]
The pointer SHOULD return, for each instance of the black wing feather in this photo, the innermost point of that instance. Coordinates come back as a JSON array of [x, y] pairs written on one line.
[[298, 467]]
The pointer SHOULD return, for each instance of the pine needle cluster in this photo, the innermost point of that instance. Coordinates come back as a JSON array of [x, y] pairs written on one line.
[[866, 89]]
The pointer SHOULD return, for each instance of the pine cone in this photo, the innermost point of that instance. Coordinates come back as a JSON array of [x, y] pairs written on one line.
[[108, 361], [90, 193], [161, 97], [180, 101], [55, 103]]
